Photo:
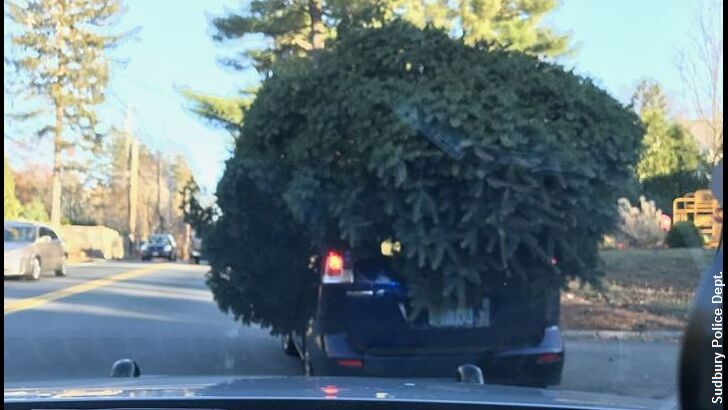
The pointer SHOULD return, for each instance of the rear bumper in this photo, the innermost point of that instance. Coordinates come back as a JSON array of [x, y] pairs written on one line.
[[539, 365], [157, 254], [12, 274], [14, 267]]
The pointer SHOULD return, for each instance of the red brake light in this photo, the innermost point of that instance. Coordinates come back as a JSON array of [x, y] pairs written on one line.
[[330, 390], [337, 268], [547, 358], [334, 264], [350, 362]]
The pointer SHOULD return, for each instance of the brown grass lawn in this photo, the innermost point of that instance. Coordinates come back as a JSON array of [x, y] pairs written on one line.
[[643, 289]]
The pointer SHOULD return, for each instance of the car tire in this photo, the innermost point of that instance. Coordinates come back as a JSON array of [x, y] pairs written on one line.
[[145, 259], [61, 271], [35, 269], [289, 347], [197, 261]]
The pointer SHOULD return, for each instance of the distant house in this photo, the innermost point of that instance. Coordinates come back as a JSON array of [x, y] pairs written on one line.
[[700, 130]]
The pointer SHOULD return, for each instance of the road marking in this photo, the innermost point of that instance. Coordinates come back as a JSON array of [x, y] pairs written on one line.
[[29, 303]]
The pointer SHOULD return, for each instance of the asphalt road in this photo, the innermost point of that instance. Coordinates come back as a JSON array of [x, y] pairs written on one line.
[[163, 316]]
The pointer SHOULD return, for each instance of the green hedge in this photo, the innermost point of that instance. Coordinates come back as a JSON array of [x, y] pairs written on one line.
[[684, 235], [664, 189]]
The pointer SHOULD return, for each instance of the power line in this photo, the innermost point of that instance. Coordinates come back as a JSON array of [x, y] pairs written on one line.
[[153, 139], [140, 122], [150, 87], [121, 102], [155, 142]]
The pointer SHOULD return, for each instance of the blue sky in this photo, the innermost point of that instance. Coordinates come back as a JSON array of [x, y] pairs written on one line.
[[174, 50], [619, 42]]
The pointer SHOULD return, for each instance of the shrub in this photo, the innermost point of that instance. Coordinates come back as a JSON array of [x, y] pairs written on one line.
[[665, 188], [34, 210], [11, 205], [642, 225], [485, 165], [684, 235]]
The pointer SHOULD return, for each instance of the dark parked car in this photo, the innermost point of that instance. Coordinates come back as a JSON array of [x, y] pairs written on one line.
[[363, 326], [160, 246], [195, 250]]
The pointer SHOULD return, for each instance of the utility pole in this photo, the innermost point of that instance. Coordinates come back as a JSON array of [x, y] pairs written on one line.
[[159, 192], [188, 235], [133, 145]]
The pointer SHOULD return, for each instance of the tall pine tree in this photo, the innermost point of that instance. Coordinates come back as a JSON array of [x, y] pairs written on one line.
[[62, 56], [299, 27]]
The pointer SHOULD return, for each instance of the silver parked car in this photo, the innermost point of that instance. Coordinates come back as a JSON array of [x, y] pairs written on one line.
[[32, 248]]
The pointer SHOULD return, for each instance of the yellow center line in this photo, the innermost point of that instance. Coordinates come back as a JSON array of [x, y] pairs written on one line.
[[29, 303]]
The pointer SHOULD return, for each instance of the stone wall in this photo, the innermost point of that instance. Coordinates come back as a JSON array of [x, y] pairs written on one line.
[[91, 242]]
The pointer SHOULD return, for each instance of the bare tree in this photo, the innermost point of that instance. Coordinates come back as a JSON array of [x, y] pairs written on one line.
[[701, 69]]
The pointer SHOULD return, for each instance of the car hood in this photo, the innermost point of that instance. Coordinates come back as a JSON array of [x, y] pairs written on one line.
[[13, 246], [297, 387]]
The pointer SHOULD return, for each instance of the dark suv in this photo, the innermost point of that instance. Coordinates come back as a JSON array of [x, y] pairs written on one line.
[[160, 246], [363, 326]]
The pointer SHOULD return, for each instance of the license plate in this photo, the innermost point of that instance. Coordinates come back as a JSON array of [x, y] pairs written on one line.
[[474, 317], [155, 253]]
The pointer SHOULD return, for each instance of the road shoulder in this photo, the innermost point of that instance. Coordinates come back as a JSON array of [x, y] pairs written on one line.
[[647, 336]]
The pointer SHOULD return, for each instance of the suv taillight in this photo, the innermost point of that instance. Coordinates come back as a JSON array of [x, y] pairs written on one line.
[[337, 268]]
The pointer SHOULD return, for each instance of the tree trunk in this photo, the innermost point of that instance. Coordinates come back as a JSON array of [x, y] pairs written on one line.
[[133, 189], [317, 25], [56, 187], [159, 193], [186, 247]]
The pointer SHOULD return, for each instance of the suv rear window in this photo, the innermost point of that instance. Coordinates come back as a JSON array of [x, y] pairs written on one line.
[[160, 239], [375, 270]]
